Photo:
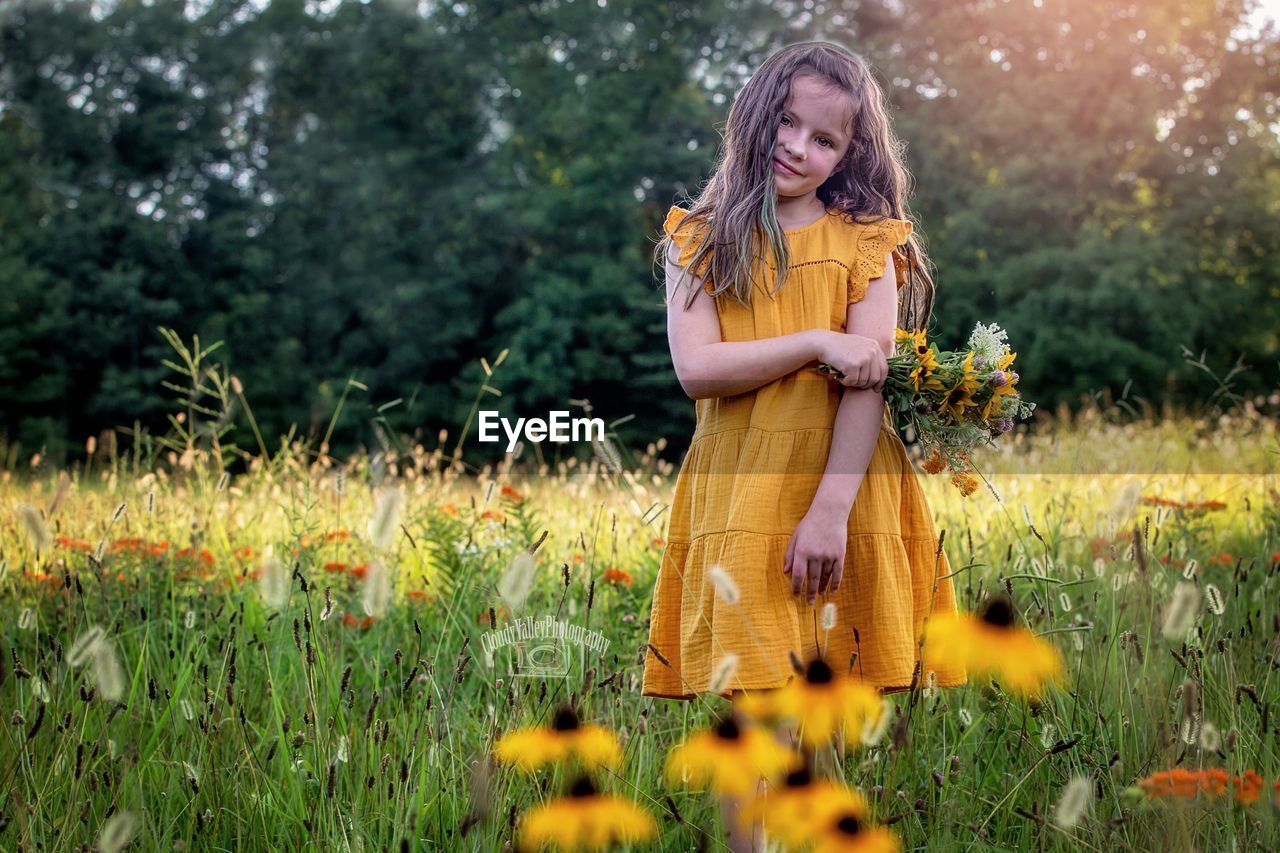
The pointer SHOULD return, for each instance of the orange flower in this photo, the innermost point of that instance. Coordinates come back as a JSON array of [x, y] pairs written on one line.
[[616, 575], [1223, 558], [417, 595], [1248, 787], [493, 515], [934, 463], [449, 509], [965, 483], [352, 621], [160, 547], [128, 544], [335, 567], [360, 571], [509, 492], [1213, 782], [1275, 558], [657, 542], [337, 536], [74, 544]]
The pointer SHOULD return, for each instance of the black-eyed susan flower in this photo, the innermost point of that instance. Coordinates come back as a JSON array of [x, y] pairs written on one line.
[[567, 737], [991, 643], [797, 813], [731, 757], [960, 396], [585, 820], [821, 702], [1003, 383], [926, 359], [849, 832]]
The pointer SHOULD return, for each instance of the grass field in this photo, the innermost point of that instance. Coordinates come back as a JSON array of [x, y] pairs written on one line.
[[235, 700]]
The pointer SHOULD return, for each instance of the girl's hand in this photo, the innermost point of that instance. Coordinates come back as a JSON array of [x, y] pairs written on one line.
[[858, 357], [815, 554]]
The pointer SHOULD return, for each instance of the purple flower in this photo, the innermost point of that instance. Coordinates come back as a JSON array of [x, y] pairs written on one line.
[[998, 378], [1004, 425], [978, 362]]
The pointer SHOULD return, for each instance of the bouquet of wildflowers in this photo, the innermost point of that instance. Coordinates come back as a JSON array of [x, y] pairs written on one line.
[[955, 400]]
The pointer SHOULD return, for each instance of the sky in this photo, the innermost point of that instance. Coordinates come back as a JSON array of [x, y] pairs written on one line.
[[1267, 9]]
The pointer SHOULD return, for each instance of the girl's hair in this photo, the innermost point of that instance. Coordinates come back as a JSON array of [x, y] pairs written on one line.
[[737, 209]]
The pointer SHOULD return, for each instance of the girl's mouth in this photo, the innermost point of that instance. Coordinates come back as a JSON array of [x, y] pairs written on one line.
[[784, 168]]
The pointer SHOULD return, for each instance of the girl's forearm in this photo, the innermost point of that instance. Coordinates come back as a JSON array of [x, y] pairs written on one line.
[[853, 440], [735, 367]]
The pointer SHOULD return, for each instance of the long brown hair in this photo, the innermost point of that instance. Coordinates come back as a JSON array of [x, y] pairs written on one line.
[[737, 208]]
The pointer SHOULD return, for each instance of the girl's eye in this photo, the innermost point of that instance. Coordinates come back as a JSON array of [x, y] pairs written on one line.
[[827, 141], [787, 120]]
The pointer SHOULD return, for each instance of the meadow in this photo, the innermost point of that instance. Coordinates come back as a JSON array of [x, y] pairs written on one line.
[[295, 654]]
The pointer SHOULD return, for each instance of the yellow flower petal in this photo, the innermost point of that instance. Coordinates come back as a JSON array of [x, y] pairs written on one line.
[[731, 765], [586, 823]]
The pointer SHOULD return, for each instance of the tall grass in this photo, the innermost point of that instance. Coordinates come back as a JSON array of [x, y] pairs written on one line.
[[239, 724]]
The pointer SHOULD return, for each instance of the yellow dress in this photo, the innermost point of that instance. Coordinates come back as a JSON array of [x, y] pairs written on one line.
[[747, 480]]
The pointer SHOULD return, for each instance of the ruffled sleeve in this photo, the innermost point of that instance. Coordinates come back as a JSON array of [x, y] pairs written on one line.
[[874, 242], [683, 236]]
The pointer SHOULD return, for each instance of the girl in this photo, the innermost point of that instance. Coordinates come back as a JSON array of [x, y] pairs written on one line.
[[796, 491]]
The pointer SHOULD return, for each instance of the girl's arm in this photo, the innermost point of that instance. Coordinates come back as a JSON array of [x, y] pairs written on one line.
[[858, 418], [710, 367]]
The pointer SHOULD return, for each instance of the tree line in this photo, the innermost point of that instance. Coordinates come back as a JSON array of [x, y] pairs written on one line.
[[390, 192]]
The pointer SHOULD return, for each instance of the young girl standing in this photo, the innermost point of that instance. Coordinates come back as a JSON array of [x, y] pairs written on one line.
[[796, 491]]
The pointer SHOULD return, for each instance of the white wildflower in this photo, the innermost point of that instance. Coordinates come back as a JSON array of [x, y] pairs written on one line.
[[1182, 611], [829, 616], [107, 674], [1210, 741], [517, 580], [725, 586], [274, 583], [386, 517], [84, 646], [1074, 802], [990, 342], [37, 530], [377, 589], [724, 671], [116, 832], [1213, 596]]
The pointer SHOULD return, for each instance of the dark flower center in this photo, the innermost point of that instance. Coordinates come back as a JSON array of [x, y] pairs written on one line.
[[582, 787], [727, 729], [818, 672], [998, 611], [799, 778], [565, 719], [849, 824]]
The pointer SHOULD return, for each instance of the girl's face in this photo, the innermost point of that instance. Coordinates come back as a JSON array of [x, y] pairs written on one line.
[[812, 136]]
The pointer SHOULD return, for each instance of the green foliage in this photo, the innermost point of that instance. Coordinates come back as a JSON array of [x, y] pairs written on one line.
[[383, 194]]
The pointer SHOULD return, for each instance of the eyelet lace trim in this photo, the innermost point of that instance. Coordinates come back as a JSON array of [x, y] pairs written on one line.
[[875, 242]]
